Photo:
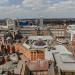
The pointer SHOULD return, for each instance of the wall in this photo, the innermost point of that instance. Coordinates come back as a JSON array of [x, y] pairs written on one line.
[[32, 55], [23, 50], [37, 55], [34, 33]]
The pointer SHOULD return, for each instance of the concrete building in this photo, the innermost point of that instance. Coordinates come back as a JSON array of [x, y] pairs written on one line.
[[58, 30], [57, 27], [7, 24], [71, 31], [27, 31], [28, 27]]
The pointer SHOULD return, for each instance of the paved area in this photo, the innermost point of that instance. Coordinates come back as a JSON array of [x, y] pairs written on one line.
[[23, 69], [51, 70]]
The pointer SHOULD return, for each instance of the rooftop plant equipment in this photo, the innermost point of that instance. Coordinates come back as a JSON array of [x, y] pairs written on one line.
[[40, 42]]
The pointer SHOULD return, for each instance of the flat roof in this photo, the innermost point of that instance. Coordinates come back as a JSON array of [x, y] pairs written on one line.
[[48, 55], [38, 66], [40, 37], [1, 34], [26, 28], [1, 28], [62, 49]]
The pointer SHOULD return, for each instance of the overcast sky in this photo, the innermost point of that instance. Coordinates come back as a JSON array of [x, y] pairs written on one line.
[[37, 8]]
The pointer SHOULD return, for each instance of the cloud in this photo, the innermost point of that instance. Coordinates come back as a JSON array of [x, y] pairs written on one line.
[[34, 8], [48, 5], [3, 1], [33, 4], [63, 6]]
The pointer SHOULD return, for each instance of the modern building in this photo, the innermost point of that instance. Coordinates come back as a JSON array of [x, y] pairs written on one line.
[[27, 31], [30, 27], [55, 27]]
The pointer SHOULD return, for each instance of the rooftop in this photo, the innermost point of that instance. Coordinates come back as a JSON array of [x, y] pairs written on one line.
[[40, 37], [38, 66], [26, 28]]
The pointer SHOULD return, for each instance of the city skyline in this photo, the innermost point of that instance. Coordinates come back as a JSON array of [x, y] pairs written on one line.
[[37, 8]]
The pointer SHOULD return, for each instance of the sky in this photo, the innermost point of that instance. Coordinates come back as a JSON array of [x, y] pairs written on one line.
[[37, 8]]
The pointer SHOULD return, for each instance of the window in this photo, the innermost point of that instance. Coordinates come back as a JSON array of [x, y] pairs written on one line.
[[24, 32]]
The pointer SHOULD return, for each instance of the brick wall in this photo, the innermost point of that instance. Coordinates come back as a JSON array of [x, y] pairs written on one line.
[[32, 55], [34, 32], [23, 50], [45, 32]]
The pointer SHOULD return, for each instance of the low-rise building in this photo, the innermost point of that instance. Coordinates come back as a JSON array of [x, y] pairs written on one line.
[[37, 68], [35, 48], [7, 24], [57, 30], [71, 31], [27, 31]]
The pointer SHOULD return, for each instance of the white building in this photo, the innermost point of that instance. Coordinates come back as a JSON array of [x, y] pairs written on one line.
[[71, 27], [71, 31], [7, 24]]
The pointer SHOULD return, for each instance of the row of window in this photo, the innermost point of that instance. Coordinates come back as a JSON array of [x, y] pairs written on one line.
[[37, 55], [24, 31], [58, 33], [40, 73], [56, 26]]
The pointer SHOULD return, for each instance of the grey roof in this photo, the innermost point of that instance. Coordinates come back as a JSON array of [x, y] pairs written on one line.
[[41, 37]]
